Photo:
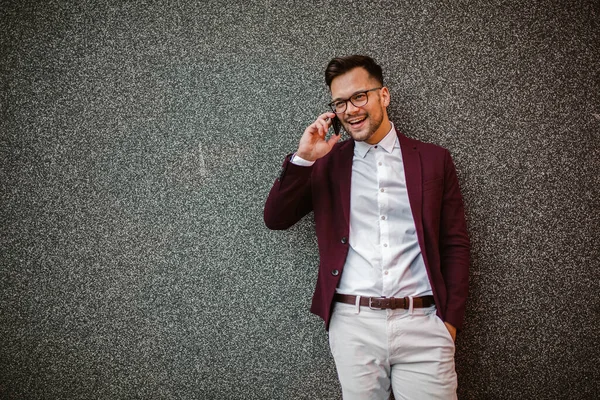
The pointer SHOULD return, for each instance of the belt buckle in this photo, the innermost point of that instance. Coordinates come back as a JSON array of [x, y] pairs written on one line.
[[371, 303]]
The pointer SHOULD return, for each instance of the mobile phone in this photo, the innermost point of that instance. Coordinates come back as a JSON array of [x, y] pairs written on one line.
[[337, 125]]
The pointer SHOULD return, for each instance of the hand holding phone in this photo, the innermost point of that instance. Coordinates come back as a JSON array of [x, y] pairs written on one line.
[[313, 143]]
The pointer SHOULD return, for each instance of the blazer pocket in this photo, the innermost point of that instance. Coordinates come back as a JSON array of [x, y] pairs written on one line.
[[433, 184]]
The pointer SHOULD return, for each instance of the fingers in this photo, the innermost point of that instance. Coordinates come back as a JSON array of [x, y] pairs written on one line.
[[328, 115], [321, 125], [312, 143], [323, 122]]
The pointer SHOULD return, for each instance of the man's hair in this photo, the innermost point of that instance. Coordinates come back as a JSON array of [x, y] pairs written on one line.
[[340, 65]]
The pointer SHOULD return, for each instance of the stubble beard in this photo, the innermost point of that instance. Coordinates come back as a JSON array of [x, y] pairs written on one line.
[[367, 131]]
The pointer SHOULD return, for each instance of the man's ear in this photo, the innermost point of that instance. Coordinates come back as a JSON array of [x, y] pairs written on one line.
[[385, 95]]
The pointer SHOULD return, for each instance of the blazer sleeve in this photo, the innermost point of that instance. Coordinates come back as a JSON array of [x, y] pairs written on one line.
[[454, 246], [290, 197]]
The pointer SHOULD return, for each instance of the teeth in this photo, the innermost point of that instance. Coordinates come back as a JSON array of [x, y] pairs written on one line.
[[354, 121]]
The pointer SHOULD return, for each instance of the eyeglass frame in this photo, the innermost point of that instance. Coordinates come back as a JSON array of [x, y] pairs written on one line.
[[349, 99]]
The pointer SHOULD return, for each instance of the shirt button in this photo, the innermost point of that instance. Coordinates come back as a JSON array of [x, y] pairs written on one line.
[[375, 146], [380, 163], [383, 217], [382, 190], [335, 272], [386, 272], [385, 245], [344, 240]]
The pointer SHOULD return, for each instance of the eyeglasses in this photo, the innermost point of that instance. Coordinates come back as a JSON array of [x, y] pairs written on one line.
[[358, 99]]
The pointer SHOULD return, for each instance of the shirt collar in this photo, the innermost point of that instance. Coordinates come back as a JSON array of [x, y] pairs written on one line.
[[387, 143]]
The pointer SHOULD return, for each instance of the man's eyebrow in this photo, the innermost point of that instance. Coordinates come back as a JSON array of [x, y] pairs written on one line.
[[347, 98]]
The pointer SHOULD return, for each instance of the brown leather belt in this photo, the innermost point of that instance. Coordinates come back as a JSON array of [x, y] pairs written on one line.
[[382, 303]]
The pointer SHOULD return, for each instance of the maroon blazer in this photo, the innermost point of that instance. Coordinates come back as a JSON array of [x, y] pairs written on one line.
[[436, 205]]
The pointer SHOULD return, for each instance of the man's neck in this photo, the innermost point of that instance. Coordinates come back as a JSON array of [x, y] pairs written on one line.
[[381, 132]]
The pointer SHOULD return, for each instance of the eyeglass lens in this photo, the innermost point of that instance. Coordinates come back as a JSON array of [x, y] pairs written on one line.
[[357, 99]]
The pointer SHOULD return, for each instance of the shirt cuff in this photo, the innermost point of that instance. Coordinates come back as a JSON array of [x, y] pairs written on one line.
[[301, 161]]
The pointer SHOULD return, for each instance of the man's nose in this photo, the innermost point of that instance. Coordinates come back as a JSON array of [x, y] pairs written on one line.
[[351, 108]]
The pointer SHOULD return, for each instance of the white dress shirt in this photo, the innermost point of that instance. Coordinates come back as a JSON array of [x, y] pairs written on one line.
[[384, 257]]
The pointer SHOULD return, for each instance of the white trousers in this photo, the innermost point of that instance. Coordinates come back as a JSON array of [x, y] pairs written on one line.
[[408, 351]]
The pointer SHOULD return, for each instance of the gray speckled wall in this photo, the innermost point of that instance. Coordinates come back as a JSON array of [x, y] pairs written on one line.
[[138, 141]]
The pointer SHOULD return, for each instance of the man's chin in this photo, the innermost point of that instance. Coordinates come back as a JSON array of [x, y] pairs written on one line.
[[359, 135]]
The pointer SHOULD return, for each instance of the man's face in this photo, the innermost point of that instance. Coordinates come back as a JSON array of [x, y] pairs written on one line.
[[367, 123]]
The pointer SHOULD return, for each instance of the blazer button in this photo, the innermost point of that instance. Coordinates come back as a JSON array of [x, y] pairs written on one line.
[[344, 240], [335, 272]]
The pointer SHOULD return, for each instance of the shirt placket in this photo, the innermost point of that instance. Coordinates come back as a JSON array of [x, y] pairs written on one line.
[[383, 200]]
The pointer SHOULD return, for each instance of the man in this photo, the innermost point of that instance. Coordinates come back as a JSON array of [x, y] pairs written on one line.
[[393, 245]]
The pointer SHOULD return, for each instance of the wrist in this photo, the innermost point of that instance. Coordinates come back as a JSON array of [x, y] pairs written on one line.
[[303, 155]]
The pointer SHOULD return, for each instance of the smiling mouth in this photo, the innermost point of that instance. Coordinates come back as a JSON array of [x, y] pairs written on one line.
[[356, 121]]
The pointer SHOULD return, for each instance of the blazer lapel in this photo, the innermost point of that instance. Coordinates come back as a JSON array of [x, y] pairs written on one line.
[[343, 175], [411, 159]]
